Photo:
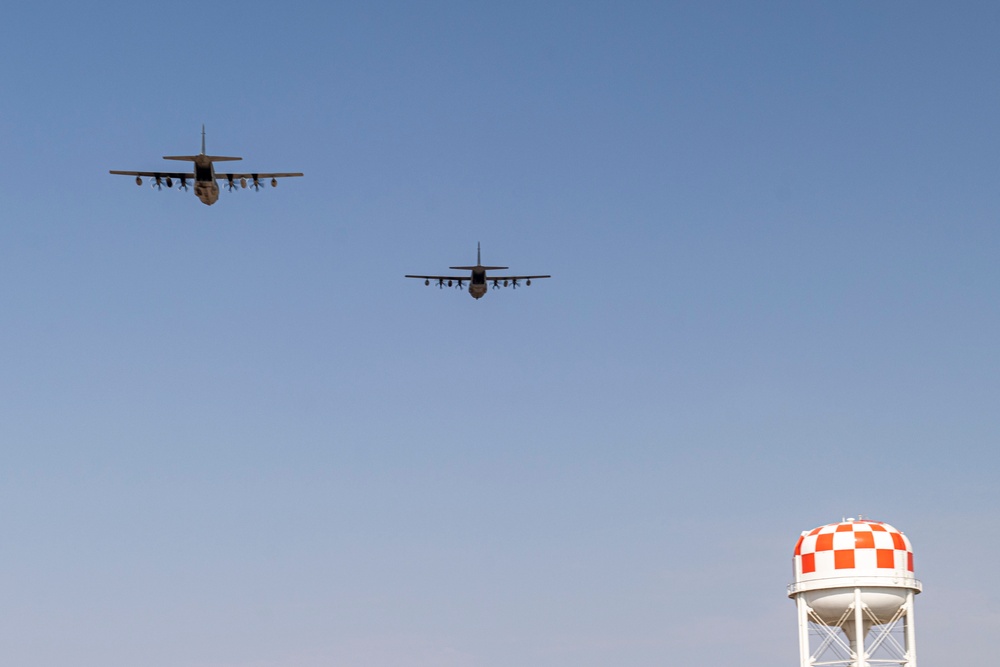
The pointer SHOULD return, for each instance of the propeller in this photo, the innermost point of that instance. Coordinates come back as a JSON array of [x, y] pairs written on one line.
[[256, 184], [184, 184], [158, 184], [513, 283], [460, 281], [230, 184], [496, 284]]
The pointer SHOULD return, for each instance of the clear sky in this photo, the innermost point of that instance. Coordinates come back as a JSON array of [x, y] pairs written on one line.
[[236, 436]]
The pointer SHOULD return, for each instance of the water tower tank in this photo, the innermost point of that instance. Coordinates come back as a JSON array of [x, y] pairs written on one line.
[[851, 577]]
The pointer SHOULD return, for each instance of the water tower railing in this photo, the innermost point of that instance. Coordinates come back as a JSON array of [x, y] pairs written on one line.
[[855, 582]]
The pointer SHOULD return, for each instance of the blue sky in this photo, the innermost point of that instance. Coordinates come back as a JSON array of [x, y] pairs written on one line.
[[237, 436]]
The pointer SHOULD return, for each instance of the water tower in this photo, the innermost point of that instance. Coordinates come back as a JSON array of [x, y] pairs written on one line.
[[854, 589]]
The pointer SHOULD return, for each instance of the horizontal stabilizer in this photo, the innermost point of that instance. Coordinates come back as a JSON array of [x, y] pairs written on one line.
[[195, 158], [473, 268]]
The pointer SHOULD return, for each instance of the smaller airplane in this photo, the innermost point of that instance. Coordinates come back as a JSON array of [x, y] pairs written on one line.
[[479, 279], [204, 176]]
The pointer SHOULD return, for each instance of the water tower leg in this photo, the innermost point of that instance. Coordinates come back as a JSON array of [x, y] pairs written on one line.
[[805, 654], [911, 642], [859, 630]]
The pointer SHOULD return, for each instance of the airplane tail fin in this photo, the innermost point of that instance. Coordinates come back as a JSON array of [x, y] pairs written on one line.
[[202, 156], [479, 264]]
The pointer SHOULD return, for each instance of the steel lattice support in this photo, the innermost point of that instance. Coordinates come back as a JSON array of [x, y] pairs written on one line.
[[858, 638]]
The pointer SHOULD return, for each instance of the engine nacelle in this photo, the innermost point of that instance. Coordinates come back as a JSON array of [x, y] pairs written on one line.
[[449, 283], [138, 180], [427, 282], [243, 183], [274, 182], [528, 283], [170, 182]]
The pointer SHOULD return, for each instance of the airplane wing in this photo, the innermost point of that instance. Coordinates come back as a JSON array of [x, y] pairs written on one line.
[[229, 177], [464, 279], [256, 180], [497, 281], [512, 281], [154, 174]]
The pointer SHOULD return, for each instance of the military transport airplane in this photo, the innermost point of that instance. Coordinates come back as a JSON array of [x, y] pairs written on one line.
[[479, 279], [204, 176]]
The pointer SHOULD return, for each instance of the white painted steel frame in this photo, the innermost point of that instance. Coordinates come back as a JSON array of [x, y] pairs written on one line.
[[857, 651]]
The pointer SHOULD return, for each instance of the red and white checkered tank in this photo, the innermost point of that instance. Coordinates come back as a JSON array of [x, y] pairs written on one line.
[[833, 564], [852, 548]]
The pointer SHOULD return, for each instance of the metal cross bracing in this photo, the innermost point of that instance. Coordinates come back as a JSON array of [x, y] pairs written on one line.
[[831, 640], [886, 646]]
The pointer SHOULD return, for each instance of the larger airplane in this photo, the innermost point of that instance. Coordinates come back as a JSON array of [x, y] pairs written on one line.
[[478, 280], [204, 176]]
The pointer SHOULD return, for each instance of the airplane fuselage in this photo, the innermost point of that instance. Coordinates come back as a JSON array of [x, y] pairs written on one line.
[[205, 187], [477, 286]]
